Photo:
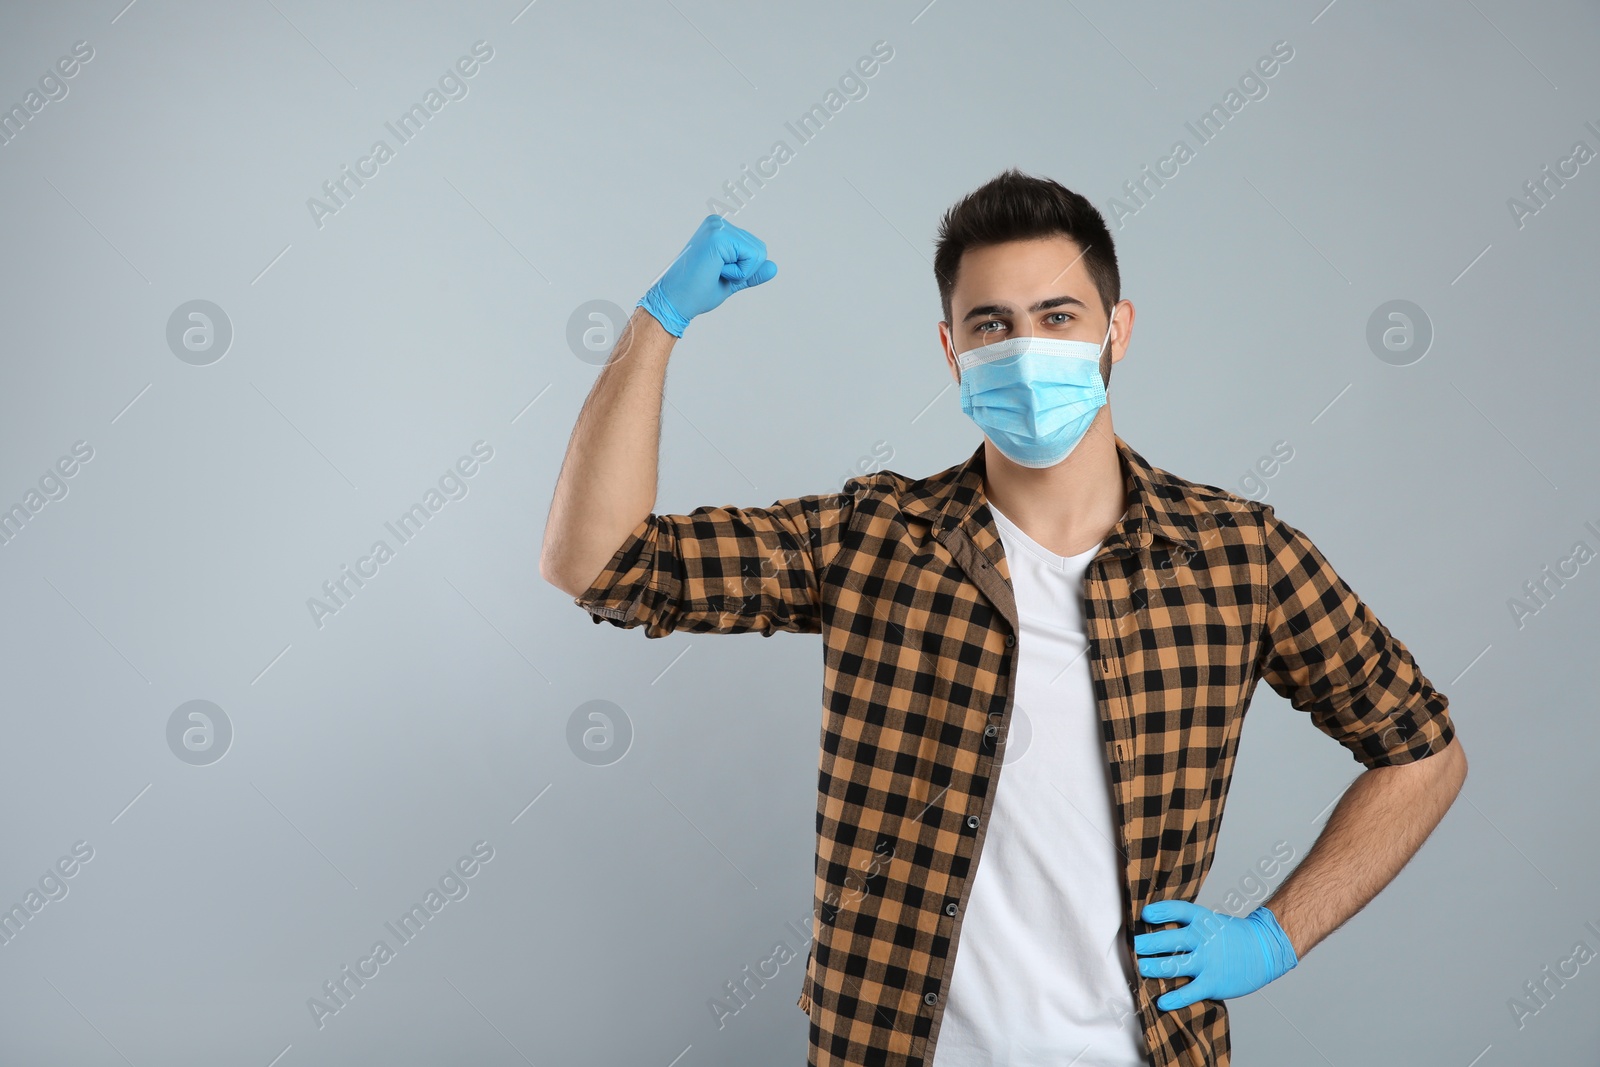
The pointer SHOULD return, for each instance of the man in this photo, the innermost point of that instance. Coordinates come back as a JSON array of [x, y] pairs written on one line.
[[1052, 591]]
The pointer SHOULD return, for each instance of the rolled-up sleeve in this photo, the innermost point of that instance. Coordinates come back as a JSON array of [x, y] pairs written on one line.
[[1329, 655], [724, 569]]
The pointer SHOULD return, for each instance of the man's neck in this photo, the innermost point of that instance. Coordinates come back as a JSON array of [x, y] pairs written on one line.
[[1068, 508]]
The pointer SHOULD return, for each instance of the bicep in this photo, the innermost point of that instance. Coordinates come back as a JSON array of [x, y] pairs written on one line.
[[723, 569], [1328, 654]]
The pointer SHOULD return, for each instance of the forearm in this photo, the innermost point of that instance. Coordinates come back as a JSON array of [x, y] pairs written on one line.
[[1379, 823], [607, 483]]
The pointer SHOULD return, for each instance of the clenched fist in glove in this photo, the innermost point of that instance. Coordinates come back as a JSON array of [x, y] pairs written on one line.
[[720, 259]]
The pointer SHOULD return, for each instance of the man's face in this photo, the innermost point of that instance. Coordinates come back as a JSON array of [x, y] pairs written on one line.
[[1038, 287]]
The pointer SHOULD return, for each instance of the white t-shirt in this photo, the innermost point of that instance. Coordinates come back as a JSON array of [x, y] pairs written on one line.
[[1042, 974]]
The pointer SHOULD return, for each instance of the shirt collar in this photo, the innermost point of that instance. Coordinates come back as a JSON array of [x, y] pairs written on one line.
[[951, 497]]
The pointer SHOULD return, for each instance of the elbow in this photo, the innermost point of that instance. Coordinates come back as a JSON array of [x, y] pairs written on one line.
[[574, 563], [567, 586], [564, 578], [1451, 770], [550, 571], [1460, 755]]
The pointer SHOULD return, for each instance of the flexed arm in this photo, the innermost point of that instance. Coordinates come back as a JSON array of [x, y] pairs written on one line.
[[607, 483]]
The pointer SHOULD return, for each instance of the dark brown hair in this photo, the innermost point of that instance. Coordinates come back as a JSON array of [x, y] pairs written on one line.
[[1015, 206]]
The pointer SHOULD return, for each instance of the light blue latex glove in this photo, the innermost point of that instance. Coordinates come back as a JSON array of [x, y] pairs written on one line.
[[720, 259], [1222, 956]]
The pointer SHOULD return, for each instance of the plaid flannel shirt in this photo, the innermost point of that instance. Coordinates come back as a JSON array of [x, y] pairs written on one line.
[[1195, 595]]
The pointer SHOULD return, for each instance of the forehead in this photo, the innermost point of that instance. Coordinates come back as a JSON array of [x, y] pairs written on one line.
[[1020, 270]]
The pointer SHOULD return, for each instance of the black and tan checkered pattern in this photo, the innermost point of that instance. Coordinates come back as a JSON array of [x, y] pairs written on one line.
[[1195, 595]]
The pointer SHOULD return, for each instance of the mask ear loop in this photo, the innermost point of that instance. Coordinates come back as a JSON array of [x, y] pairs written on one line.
[[953, 354], [1105, 345], [960, 378]]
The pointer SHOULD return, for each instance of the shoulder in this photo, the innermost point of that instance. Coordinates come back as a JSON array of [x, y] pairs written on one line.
[[1226, 523], [1208, 511], [911, 496]]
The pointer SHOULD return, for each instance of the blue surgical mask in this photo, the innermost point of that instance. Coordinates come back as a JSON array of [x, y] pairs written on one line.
[[1033, 396]]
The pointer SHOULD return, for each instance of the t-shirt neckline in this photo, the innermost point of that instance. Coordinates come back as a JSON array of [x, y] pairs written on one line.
[[1054, 559]]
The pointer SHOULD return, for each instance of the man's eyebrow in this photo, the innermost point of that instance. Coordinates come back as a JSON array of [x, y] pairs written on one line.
[[1043, 305]]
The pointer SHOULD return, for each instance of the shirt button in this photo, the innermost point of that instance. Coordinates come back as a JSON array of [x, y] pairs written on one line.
[[992, 731], [1011, 639], [930, 998], [950, 908], [972, 821]]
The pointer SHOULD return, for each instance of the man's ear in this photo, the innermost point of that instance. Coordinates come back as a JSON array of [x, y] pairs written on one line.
[[947, 347]]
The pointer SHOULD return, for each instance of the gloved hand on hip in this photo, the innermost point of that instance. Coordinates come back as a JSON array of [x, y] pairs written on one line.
[[1221, 955], [720, 259]]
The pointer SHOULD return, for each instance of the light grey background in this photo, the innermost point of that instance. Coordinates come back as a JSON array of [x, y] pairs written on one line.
[[433, 311]]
